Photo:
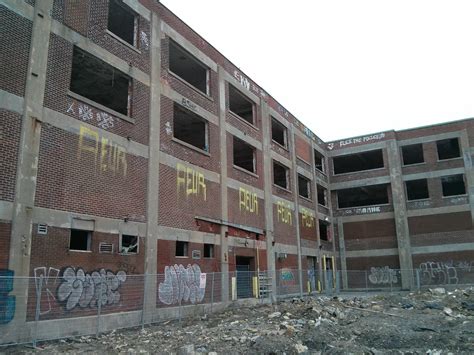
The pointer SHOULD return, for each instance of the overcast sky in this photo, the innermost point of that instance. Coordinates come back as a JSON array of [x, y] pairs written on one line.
[[348, 68]]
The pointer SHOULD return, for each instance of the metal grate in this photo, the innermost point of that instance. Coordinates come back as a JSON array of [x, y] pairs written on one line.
[[42, 229], [106, 248]]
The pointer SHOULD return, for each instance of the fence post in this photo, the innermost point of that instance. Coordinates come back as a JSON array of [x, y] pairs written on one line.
[[212, 291], [99, 304], [38, 308], [143, 301], [418, 282], [366, 283]]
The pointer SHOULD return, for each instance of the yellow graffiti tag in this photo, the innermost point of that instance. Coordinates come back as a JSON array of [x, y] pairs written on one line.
[[284, 212], [248, 201], [108, 156], [190, 181], [307, 218]]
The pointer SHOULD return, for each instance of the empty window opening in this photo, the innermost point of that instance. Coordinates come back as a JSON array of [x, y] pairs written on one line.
[[244, 155], [322, 195], [182, 248], [240, 105], [323, 230], [129, 244], [122, 21], [188, 67], [80, 240], [358, 162], [99, 81], [280, 175], [413, 154], [190, 128], [417, 189], [304, 188], [362, 196], [453, 185], [279, 133], [319, 162], [208, 250], [448, 149]]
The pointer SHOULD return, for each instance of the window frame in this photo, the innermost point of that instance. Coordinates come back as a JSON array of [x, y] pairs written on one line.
[[136, 16], [285, 132], [185, 249], [447, 159], [287, 175], [410, 145], [308, 184], [137, 245], [464, 183], [323, 162], [213, 254], [254, 152], [183, 109], [245, 97], [89, 240], [417, 199]]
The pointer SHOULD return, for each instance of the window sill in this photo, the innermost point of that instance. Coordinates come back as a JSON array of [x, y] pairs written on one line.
[[326, 207], [127, 254], [243, 120], [350, 208], [190, 146], [282, 188], [305, 198], [181, 257], [320, 171], [125, 43], [245, 171], [80, 251], [358, 172], [451, 196], [414, 164], [419, 200], [450, 159], [281, 146], [191, 86], [100, 107], [208, 257]]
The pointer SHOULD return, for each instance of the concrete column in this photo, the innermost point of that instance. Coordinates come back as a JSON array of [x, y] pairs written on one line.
[[268, 183], [342, 253], [27, 169], [153, 173], [400, 211], [224, 201], [466, 153]]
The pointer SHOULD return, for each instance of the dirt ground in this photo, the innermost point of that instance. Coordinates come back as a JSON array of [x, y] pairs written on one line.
[[431, 322]]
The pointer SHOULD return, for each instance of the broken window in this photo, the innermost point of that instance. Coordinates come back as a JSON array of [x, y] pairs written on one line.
[[129, 244], [448, 149], [190, 128], [182, 248], [187, 67], [80, 240], [280, 175], [279, 133], [319, 162], [322, 195], [122, 21], [208, 250], [100, 82], [304, 188], [413, 154], [358, 162], [362, 196], [240, 104], [417, 189], [453, 185], [323, 230], [244, 155]]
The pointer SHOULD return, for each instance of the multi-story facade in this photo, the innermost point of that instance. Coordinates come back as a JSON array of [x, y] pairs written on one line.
[[129, 144]]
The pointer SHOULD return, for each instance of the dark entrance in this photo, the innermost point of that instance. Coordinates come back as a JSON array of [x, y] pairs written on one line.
[[244, 276]]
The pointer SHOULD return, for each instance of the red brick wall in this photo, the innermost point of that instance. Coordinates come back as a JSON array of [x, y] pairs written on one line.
[[303, 149], [5, 230], [10, 127], [376, 234], [440, 223]]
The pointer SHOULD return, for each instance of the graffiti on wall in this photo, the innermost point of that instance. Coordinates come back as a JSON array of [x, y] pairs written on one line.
[[287, 277], [7, 302], [144, 42], [284, 212], [86, 114], [383, 275], [307, 218], [82, 289], [363, 210], [181, 285], [350, 141], [106, 155], [47, 285], [245, 82], [190, 181], [248, 201], [446, 272]]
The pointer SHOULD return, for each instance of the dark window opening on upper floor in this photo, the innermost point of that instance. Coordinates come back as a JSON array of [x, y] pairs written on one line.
[[417, 189], [323, 230], [453, 185], [448, 149], [100, 82], [241, 105], [244, 155], [322, 195], [129, 244], [188, 67], [122, 21], [358, 162], [80, 240], [181, 248], [319, 162], [208, 250], [279, 133], [362, 196], [304, 187], [190, 128], [413, 154], [280, 175]]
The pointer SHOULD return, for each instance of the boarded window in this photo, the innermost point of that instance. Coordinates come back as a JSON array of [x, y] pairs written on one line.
[[241, 105], [122, 21], [244, 155], [322, 195], [208, 250], [362, 196], [417, 189], [188, 67], [304, 188], [279, 133], [280, 175], [129, 244], [358, 162], [80, 240], [413, 154], [448, 149], [182, 248], [99, 81], [189, 127], [319, 162], [453, 185]]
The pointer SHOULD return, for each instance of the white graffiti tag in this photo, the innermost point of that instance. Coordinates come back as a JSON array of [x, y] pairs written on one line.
[[104, 120], [181, 285], [144, 40], [85, 112], [49, 278], [439, 273], [79, 288], [383, 275]]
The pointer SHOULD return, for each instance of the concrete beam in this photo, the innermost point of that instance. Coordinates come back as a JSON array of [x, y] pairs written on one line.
[[468, 165], [361, 182]]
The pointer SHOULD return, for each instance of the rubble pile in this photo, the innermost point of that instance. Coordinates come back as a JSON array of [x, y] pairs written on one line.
[[431, 322]]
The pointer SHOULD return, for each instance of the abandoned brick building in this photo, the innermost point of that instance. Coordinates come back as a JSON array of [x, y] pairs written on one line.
[[130, 144]]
